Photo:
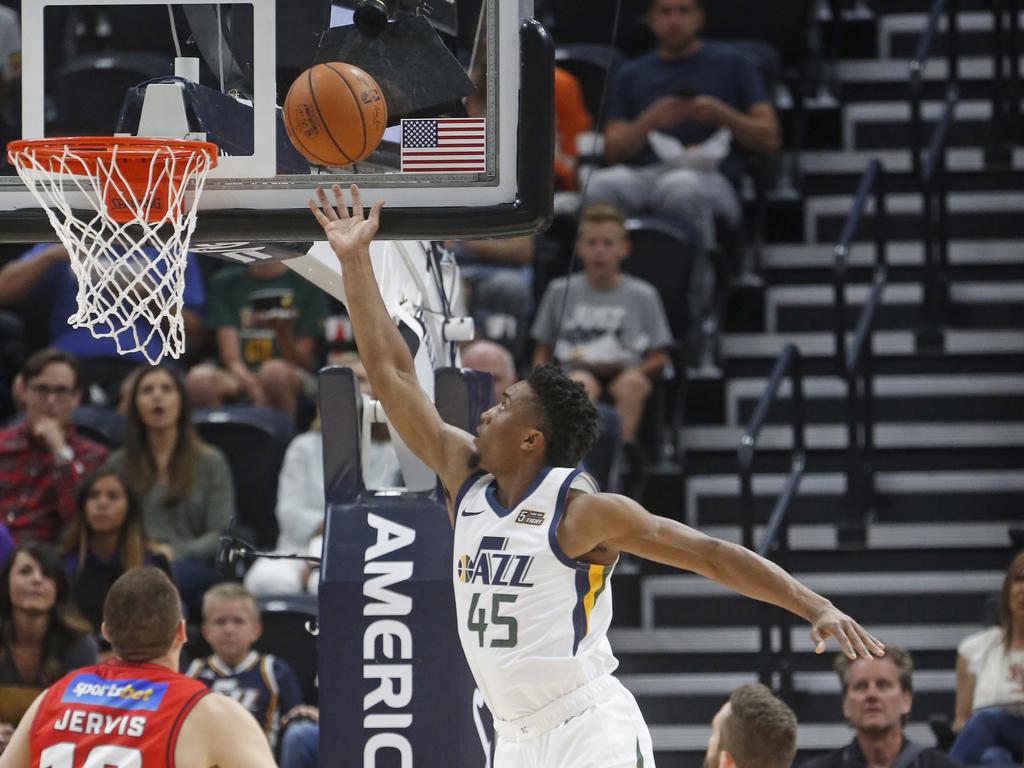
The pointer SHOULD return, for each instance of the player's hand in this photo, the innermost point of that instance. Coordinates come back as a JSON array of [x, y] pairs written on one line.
[[853, 639], [301, 711], [346, 232]]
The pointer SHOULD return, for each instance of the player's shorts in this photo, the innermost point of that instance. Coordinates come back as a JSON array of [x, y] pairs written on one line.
[[596, 726]]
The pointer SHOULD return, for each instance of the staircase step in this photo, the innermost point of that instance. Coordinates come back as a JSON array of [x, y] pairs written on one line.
[[898, 34]]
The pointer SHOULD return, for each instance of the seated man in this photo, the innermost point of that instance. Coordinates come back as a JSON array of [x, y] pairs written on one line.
[[267, 320], [615, 333], [42, 459], [753, 729], [690, 90], [877, 696], [42, 277]]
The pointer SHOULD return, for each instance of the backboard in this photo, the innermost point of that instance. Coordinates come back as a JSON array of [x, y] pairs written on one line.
[[220, 71]]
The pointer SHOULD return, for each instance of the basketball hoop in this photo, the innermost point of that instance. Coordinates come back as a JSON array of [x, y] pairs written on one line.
[[128, 236]]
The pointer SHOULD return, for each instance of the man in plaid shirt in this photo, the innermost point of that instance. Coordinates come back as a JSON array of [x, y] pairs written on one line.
[[42, 460]]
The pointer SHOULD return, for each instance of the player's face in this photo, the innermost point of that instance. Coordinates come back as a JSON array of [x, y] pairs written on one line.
[[602, 247], [31, 590], [52, 394], [675, 23], [713, 757], [231, 629], [157, 401], [874, 701], [506, 428], [106, 506]]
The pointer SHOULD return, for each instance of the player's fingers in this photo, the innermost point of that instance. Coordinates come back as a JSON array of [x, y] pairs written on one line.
[[375, 212], [325, 205], [818, 639], [320, 218], [844, 643], [876, 646], [857, 639], [357, 202], [339, 201]]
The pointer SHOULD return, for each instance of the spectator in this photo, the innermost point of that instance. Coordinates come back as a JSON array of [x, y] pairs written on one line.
[[990, 683], [877, 696], [7, 544], [43, 459], [105, 539], [571, 119], [300, 745], [300, 500], [183, 483], [615, 333], [690, 90], [263, 684], [42, 276], [42, 635], [753, 729], [267, 320]]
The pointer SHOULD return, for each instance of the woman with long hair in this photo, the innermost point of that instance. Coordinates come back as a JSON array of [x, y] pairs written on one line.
[[105, 538], [990, 683], [183, 483], [42, 635]]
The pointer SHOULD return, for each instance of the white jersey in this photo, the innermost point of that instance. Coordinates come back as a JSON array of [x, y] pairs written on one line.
[[533, 622]]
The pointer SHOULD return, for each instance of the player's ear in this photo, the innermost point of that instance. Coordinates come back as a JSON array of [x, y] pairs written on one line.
[[534, 441], [182, 633], [103, 631], [725, 759]]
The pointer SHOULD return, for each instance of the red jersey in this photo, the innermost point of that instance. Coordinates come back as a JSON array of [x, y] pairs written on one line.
[[113, 715]]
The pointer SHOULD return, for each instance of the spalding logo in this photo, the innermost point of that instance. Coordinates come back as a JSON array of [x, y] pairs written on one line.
[[306, 122]]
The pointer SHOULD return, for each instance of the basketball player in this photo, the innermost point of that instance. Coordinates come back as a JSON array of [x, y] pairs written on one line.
[[535, 543], [137, 710]]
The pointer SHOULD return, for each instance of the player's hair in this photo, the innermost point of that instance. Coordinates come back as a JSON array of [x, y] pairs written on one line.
[[229, 592], [141, 614], [760, 730], [139, 463], [37, 361], [1005, 614], [65, 625], [896, 654], [602, 213], [569, 419]]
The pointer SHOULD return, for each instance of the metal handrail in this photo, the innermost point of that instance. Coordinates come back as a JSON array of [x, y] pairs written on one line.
[[774, 543], [854, 362], [929, 164]]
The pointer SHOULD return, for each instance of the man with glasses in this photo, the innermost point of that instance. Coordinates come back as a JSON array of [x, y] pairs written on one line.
[[42, 460]]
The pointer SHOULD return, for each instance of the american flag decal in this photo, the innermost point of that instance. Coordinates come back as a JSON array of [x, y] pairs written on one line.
[[444, 145]]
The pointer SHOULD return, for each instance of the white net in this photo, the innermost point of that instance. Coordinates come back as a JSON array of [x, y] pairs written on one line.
[[128, 234]]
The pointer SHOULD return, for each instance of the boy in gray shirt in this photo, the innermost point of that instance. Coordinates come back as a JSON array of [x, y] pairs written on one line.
[[615, 334]]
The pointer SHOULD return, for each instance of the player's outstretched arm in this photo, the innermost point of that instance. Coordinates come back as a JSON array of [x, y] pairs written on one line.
[[220, 732], [619, 524], [16, 754], [384, 353]]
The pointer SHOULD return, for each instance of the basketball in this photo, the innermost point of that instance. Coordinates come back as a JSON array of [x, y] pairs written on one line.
[[335, 114]]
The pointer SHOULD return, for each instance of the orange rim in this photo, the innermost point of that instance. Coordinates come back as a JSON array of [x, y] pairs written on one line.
[[133, 151]]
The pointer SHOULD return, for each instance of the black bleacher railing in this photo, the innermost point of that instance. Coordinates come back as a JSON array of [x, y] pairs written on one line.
[[928, 156], [855, 362], [774, 543], [1005, 81]]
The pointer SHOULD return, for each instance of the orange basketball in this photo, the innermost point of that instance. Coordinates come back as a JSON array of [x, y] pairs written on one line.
[[335, 114]]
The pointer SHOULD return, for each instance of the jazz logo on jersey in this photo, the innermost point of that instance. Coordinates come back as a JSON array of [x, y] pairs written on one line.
[[493, 565], [120, 694], [530, 517]]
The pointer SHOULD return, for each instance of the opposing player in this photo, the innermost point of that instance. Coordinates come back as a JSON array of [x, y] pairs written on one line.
[[535, 543], [137, 711]]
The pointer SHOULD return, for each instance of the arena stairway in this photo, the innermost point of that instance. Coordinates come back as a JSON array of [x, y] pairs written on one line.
[[950, 429]]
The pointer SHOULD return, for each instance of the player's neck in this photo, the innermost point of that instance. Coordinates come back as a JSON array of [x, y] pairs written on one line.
[[513, 484], [880, 748]]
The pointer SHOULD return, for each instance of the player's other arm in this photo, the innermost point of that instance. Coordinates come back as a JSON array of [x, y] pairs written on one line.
[[16, 754], [382, 349], [219, 732], [617, 523]]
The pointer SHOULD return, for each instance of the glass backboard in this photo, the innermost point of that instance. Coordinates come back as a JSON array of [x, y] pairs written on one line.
[[466, 81]]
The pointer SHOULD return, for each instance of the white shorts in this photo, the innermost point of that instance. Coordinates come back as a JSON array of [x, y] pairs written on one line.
[[610, 733]]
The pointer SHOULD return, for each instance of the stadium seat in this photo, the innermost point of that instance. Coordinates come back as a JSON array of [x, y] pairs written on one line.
[[251, 440], [99, 423], [285, 635], [591, 64], [12, 355]]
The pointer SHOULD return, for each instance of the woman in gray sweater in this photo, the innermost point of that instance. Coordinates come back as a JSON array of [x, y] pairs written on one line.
[[184, 483]]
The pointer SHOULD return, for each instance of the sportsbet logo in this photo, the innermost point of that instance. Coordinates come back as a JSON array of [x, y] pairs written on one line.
[[120, 694]]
